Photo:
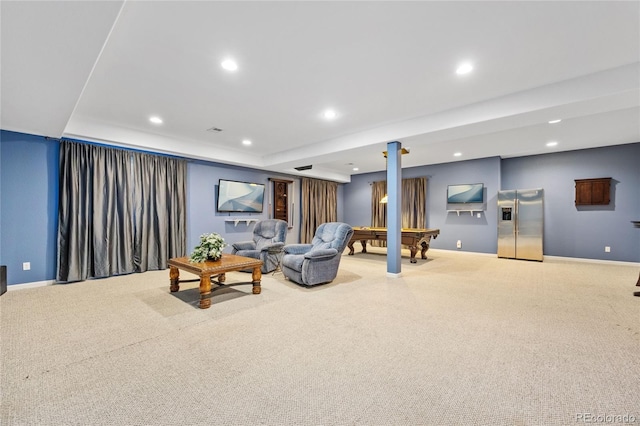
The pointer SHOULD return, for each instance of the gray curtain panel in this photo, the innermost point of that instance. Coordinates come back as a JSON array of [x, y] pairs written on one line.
[[95, 232], [159, 210], [319, 205], [378, 209], [414, 202], [102, 194]]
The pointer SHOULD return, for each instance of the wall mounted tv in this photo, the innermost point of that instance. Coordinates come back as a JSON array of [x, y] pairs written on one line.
[[465, 194], [243, 197]]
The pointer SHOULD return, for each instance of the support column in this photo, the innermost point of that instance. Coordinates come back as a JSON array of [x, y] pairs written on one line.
[[394, 208]]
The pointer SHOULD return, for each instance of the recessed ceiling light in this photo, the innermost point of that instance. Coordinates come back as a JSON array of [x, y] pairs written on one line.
[[246, 142], [330, 114], [554, 121], [229, 65], [355, 169], [155, 120], [457, 154], [552, 143], [464, 68]]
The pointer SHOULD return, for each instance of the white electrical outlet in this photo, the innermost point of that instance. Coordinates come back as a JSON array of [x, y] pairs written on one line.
[[479, 215], [26, 266], [607, 249], [459, 244]]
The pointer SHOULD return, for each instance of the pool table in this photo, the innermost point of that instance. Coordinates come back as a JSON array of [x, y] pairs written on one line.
[[412, 237]]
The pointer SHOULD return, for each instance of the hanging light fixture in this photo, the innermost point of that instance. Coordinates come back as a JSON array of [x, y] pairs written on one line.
[[385, 199]]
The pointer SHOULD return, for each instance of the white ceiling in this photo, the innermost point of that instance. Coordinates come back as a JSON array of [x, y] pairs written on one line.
[[98, 70]]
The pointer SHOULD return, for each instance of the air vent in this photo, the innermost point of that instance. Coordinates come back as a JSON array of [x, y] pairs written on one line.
[[301, 168], [214, 129]]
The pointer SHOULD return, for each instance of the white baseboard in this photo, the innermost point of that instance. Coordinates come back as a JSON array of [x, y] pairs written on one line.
[[29, 285], [546, 257], [580, 259], [461, 252]]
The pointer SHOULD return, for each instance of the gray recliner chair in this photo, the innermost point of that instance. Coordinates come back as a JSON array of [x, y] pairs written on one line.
[[267, 244], [317, 263]]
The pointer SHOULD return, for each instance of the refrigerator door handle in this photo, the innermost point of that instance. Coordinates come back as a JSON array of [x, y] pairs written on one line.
[[516, 229]]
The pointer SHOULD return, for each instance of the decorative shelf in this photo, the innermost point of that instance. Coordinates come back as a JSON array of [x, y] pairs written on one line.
[[247, 221], [470, 211]]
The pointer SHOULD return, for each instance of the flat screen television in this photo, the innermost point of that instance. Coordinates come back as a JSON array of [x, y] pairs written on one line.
[[465, 194], [243, 197]]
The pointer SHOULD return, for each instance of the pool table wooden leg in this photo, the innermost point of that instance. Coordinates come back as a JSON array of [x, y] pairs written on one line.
[[350, 245], [413, 250], [424, 247]]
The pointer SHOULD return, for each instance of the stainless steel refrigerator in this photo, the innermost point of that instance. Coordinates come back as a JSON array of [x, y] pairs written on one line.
[[520, 224]]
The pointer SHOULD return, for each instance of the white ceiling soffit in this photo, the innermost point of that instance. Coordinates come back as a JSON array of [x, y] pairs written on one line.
[[386, 67], [48, 50]]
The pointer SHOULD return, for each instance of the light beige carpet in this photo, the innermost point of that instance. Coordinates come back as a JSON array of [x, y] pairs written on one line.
[[459, 339]]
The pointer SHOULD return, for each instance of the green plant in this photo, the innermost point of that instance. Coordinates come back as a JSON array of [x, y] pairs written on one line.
[[210, 248]]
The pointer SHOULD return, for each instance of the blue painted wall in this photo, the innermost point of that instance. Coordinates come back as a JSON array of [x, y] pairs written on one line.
[[476, 234], [29, 168], [28, 206], [202, 217], [584, 231], [569, 231], [29, 196]]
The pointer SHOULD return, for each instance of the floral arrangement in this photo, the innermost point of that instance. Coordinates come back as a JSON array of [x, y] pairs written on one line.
[[210, 248]]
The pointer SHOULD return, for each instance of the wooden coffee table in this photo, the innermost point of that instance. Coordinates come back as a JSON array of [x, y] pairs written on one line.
[[216, 269]]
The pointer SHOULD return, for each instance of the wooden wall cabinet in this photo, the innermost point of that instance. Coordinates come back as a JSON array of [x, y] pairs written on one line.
[[591, 192]]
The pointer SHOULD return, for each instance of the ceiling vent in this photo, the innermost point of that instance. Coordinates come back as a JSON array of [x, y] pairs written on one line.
[[301, 168], [214, 129]]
